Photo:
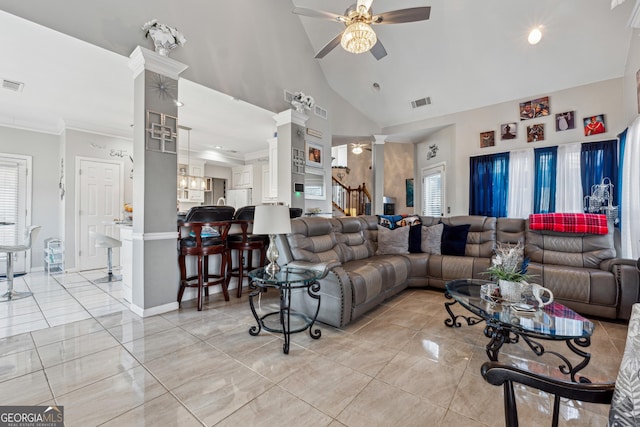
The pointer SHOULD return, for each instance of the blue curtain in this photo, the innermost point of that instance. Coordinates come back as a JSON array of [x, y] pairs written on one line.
[[599, 160], [489, 184], [544, 189], [622, 138]]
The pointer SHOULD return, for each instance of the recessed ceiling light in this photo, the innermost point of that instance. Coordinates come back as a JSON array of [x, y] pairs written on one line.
[[219, 147], [535, 35], [178, 103]]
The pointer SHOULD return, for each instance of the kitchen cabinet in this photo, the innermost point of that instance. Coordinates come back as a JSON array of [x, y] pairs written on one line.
[[242, 177]]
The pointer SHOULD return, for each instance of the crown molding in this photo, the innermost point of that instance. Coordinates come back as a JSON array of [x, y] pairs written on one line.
[[144, 59]]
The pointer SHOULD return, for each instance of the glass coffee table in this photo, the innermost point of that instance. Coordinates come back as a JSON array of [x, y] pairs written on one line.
[[285, 320], [504, 324]]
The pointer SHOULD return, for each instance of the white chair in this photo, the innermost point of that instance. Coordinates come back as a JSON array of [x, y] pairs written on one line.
[[104, 241], [29, 236]]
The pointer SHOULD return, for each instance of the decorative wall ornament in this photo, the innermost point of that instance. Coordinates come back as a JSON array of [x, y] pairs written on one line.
[[165, 38], [433, 149], [162, 86], [302, 102], [61, 182], [161, 132]]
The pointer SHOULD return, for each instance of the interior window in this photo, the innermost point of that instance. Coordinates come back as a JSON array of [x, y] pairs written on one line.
[[433, 191]]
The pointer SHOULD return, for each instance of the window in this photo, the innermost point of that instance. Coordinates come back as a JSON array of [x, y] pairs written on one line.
[[314, 185], [339, 156], [433, 191], [15, 190]]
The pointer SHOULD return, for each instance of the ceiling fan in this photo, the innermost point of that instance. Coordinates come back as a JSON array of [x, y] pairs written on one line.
[[358, 36], [359, 148]]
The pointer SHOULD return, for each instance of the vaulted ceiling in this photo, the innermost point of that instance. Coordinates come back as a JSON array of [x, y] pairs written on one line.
[[72, 57]]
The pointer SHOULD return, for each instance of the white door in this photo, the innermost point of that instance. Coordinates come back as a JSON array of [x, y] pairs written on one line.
[[15, 206], [100, 202]]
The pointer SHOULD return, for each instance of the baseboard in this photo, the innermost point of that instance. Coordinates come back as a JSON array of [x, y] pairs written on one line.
[[147, 312]]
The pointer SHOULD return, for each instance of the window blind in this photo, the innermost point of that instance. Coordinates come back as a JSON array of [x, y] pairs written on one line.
[[432, 192]]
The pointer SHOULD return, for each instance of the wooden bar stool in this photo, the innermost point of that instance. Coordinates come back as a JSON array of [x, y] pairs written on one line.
[[203, 234], [244, 244]]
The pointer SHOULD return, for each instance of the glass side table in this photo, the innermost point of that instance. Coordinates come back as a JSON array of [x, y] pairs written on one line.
[[288, 320]]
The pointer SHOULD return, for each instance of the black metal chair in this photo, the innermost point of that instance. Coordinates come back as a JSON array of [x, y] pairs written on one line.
[[206, 229], [244, 243]]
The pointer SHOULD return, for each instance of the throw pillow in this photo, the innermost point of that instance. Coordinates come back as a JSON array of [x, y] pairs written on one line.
[[415, 239], [393, 241], [431, 239], [408, 220], [389, 221], [454, 239]]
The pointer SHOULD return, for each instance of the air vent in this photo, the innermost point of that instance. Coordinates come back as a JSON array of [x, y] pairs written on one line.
[[288, 96], [320, 112], [11, 85], [421, 102]]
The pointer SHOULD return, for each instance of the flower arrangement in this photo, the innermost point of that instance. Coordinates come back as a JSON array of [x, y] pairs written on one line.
[[164, 37], [509, 264], [302, 102]]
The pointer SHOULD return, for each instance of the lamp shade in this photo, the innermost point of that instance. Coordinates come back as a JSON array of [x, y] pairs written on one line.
[[271, 219]]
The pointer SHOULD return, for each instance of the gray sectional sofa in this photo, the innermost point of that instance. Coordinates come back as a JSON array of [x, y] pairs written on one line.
[[580, 269]]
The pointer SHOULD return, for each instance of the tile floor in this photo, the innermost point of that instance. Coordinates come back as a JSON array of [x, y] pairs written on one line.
[[76, 344]]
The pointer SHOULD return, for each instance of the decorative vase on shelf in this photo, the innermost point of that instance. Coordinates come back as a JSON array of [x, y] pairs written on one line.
[[165, 38]]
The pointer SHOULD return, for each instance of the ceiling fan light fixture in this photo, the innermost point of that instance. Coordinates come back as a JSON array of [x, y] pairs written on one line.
[[535, 36], [359, 37]]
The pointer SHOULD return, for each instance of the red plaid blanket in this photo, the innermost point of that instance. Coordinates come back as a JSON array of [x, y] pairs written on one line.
[[569, 222]]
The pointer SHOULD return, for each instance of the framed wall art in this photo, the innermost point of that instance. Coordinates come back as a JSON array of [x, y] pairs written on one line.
[[594, 125], [535, 133], [535, 108], [565, 121], [508, 131], [409, 192], [487, 139], [314, 154]]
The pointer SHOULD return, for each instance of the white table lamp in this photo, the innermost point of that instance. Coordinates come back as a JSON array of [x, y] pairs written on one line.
[[272, 220]]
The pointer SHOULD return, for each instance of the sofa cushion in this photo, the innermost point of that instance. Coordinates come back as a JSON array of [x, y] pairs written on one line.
[[572, 249], [431, 239], [454, 239], [393, 241], [415, 239], [313, 239], [351, 239]]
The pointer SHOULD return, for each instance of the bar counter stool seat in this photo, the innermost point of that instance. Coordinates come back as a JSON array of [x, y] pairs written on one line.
[[29, 236], [203, 234], [107, 242], [245, 243]]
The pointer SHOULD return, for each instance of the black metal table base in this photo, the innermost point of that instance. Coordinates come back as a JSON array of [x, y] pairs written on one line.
[[501, 334], [453, 321], [285, 314]]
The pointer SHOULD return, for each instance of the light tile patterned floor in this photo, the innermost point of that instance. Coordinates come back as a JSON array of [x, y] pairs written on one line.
[[76, 344]]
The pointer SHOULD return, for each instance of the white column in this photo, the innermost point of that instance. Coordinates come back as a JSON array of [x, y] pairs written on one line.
[[155, 275], [291, 126], [377, 154]]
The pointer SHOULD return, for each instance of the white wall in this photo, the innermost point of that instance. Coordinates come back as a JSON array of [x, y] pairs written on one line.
[[631, 91], [44, 149], [598, 98]]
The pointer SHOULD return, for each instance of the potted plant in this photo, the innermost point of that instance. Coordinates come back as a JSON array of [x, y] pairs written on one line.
[[509, 268]]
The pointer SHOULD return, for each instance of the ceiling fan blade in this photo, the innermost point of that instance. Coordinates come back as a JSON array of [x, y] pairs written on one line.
[[365, 3], [378, 50], [329, 47], [319, 14], [412, 14]]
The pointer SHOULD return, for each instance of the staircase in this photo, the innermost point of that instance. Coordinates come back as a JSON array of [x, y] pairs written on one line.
[[350, 201]]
